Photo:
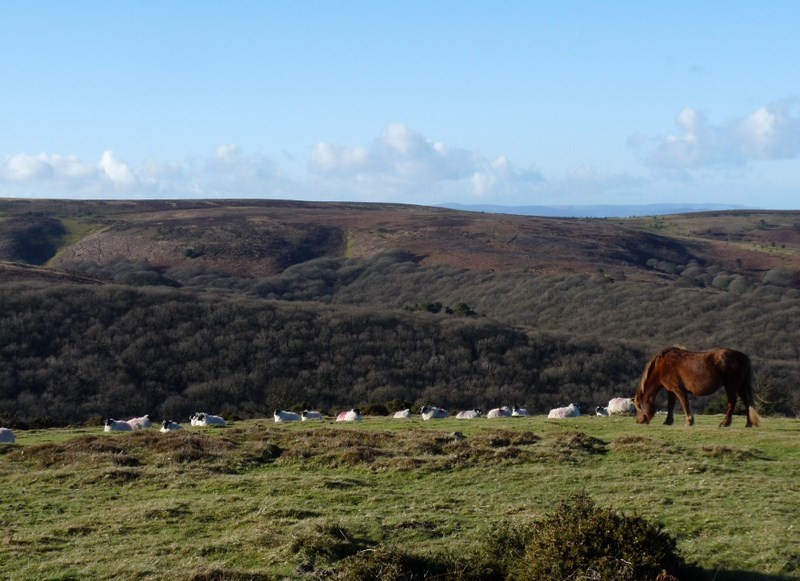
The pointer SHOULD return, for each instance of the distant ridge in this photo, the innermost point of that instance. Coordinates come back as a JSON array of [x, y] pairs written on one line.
[[594, 211]]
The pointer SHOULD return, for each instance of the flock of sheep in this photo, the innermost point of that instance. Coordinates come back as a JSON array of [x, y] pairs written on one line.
[[616, 406], [198, 419]]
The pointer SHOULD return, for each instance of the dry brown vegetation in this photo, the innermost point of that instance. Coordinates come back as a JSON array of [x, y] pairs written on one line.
[[263, 237]]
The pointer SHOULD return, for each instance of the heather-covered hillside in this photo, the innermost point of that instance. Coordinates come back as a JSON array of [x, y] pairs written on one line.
[[115, 308]]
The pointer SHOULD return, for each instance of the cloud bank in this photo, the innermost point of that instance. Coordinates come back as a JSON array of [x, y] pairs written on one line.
[[399, 165], [402, 165], [771, 132], [402, 162]]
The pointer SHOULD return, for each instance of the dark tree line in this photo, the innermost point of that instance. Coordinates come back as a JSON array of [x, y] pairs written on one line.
[[333, 333], [69, 353]]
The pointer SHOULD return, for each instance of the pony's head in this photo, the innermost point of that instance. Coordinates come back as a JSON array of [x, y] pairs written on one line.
[[644, 400], [645, 409]]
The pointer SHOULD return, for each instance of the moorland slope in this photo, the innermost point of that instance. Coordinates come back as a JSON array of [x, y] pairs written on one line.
[[115, 307]]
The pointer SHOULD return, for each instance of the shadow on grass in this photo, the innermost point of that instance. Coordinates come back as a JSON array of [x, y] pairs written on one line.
[[734, 575]]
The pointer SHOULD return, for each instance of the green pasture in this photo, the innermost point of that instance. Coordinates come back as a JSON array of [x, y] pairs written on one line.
[[242, 501]]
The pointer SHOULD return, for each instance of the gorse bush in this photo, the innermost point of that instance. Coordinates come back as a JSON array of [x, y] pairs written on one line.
[[583, 540]]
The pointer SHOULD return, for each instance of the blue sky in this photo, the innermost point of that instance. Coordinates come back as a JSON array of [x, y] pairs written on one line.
[[511, 103]]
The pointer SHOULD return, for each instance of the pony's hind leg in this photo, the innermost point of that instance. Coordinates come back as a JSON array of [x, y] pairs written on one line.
[[746, 394], [731, 393]]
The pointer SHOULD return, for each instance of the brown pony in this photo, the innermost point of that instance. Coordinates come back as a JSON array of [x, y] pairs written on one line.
[[681, 372]]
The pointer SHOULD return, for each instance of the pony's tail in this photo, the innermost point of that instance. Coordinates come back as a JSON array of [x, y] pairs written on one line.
[[753, 416]]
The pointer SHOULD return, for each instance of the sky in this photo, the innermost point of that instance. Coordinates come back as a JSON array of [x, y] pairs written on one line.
[[504, 103]]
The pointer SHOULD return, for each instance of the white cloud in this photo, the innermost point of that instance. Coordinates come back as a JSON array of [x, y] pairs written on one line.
[[42, 167], [399, 165], [227, 153], [226, 172], [118, 172], [771, 132], [403, 163], [398, 156]]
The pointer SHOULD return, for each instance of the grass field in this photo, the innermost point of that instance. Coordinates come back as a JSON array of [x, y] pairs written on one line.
[[247, 501]]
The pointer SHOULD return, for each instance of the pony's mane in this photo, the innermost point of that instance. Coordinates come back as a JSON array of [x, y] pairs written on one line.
[[652, 363]]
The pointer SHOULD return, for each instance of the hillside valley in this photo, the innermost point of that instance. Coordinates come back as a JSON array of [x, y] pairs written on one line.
[[115, 307]]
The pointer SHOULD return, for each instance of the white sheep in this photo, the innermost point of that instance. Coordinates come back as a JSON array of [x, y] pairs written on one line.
[[7, 436], [354, 415], [571, 411], [311, 415], [469, 414], [601, 411], [284, 417], [502, 412], [621, 406], [170, 426], [519, 412], [140, 423], [204, 419], [112, 425], [402, 414], [433, 413]]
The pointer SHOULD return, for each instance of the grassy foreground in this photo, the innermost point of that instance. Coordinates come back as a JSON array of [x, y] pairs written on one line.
[[246, 501]]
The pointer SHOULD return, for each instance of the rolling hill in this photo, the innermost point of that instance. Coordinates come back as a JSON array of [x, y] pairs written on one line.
[[114, 307]]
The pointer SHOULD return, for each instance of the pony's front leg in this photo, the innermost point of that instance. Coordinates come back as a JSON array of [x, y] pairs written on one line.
[[681, 394], [670, 409]]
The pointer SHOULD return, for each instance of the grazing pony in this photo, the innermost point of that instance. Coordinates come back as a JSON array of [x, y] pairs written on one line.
[[681, 372]]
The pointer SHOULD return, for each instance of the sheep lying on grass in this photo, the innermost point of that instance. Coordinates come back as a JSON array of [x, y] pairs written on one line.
[[7, 436], [112, 425], [282, 417], [141, 422], [571, 411], [204, 419], [354, 415], [433, 413]]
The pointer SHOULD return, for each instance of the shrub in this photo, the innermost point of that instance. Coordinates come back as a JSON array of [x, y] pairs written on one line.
[[579, 540]]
